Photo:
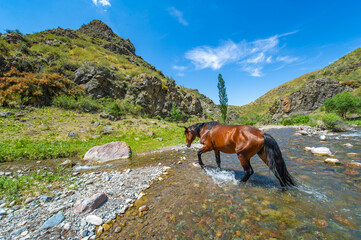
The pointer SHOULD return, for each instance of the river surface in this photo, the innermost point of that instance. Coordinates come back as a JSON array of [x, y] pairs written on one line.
[[211, 204]]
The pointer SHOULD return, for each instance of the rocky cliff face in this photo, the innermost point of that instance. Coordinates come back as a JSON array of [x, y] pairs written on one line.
[[121, 74], [308, 99]]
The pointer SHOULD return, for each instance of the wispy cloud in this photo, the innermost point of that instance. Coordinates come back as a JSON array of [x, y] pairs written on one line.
[[178, 15], [252, 56], [179, 68], [215, 58], [104, 3]]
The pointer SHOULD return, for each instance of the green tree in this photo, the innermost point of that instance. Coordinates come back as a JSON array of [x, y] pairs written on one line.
[[342, 104], [223, 99]]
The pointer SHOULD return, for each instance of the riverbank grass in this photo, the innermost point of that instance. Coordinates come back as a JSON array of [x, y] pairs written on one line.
[[50, 132]]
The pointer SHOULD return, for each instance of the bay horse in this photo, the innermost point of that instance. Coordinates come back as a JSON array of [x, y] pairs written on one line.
[[244, 140]]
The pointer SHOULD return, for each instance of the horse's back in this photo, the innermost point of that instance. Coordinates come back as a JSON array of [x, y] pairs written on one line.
[[234, 138]]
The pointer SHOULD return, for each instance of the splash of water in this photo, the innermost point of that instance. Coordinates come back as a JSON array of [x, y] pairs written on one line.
[[221, 177]]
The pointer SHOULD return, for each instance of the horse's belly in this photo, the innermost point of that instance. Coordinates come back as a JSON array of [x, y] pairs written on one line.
[[227, 149]]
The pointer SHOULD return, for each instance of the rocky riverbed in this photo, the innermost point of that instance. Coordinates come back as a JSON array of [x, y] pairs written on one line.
[[80, 213]]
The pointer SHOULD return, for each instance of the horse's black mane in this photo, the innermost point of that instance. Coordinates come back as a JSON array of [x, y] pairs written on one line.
[[197, 127]]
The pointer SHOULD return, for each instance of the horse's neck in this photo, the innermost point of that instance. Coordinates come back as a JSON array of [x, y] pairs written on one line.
[[203, 132]]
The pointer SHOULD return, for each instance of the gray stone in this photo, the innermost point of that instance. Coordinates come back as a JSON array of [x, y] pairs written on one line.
[[53, 221], [84, 233], [72, 134], [6, 114], [2, 211], [45, 198], [18, 231], [107, 152], [107, 130]]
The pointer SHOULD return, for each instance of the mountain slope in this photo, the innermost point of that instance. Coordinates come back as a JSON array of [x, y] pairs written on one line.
[[345, 72], [105, 64]]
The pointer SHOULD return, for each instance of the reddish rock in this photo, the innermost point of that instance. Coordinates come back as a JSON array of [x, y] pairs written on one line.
[[89, 204], [109, 151]]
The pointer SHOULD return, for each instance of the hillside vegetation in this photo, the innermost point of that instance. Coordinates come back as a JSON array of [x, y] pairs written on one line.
[[346, 71], [100, 62]]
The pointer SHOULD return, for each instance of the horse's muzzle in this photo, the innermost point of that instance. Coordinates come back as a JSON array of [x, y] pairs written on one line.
[[188, 145]]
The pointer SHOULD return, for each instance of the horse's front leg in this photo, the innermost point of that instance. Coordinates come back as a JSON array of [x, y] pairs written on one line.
[[218, 158], [202, 150]]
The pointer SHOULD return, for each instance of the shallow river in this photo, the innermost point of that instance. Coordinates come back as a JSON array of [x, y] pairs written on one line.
[[196, 204]]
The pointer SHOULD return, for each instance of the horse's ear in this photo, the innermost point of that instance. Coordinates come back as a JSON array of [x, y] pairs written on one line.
[[186, 129]]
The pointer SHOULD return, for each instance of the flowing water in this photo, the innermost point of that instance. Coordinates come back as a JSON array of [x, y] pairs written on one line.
[[212, 204]]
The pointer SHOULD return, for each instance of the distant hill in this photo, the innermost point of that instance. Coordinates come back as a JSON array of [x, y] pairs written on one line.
[[104, 64], [308, 92]]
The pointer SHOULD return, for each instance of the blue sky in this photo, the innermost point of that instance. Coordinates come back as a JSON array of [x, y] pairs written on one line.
[[255, 45]]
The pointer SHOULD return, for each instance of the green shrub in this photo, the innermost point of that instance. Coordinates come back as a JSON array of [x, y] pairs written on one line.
[[65, 102], [299, 119], [334, 122], [81, 103], [176, 113], [342, 104], [114, 109]]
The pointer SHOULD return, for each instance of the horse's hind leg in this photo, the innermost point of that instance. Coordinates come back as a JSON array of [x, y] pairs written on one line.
[[218, 158], [248, 170]]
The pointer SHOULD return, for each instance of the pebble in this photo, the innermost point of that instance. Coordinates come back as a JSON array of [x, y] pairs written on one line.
[[72, 134], [28, 200], [117, 229], [53, 221], [349, 145], [18, 231], [332, 160], [319, 150], [67, 226], [95, 220], [106, 227], [2, 211]]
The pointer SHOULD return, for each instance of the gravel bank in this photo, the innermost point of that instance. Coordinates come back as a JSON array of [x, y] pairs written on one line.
[[121, 188]]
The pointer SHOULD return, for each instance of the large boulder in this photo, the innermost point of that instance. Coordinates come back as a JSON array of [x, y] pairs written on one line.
[[108, 152]]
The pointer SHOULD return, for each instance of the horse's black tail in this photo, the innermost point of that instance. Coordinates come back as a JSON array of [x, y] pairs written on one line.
[[276, 162]]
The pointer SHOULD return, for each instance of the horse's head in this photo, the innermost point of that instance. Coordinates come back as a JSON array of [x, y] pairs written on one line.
[[190, 135]]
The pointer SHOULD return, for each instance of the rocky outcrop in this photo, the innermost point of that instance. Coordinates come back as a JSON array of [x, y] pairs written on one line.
[[98, 29], [308, 99], [99, 82], [157, 97]]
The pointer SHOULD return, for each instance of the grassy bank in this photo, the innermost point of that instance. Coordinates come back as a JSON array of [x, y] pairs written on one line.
[[18, 187], [43, 133]]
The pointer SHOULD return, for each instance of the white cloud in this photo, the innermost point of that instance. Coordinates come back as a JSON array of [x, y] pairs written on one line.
[[179, 68], [177, 14], [253, 71], [215, 58], [286, 59], [257, 58], [103, 3], [252, 56]]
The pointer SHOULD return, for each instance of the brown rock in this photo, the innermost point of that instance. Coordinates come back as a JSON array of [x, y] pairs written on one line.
[[88, 205], [109, 151]]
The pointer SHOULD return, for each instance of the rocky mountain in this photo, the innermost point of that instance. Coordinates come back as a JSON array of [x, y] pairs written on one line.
[[307, 93], [104, 64]]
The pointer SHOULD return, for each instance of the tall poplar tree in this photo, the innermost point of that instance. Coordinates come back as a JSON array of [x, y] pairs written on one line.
[[223, 99]]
